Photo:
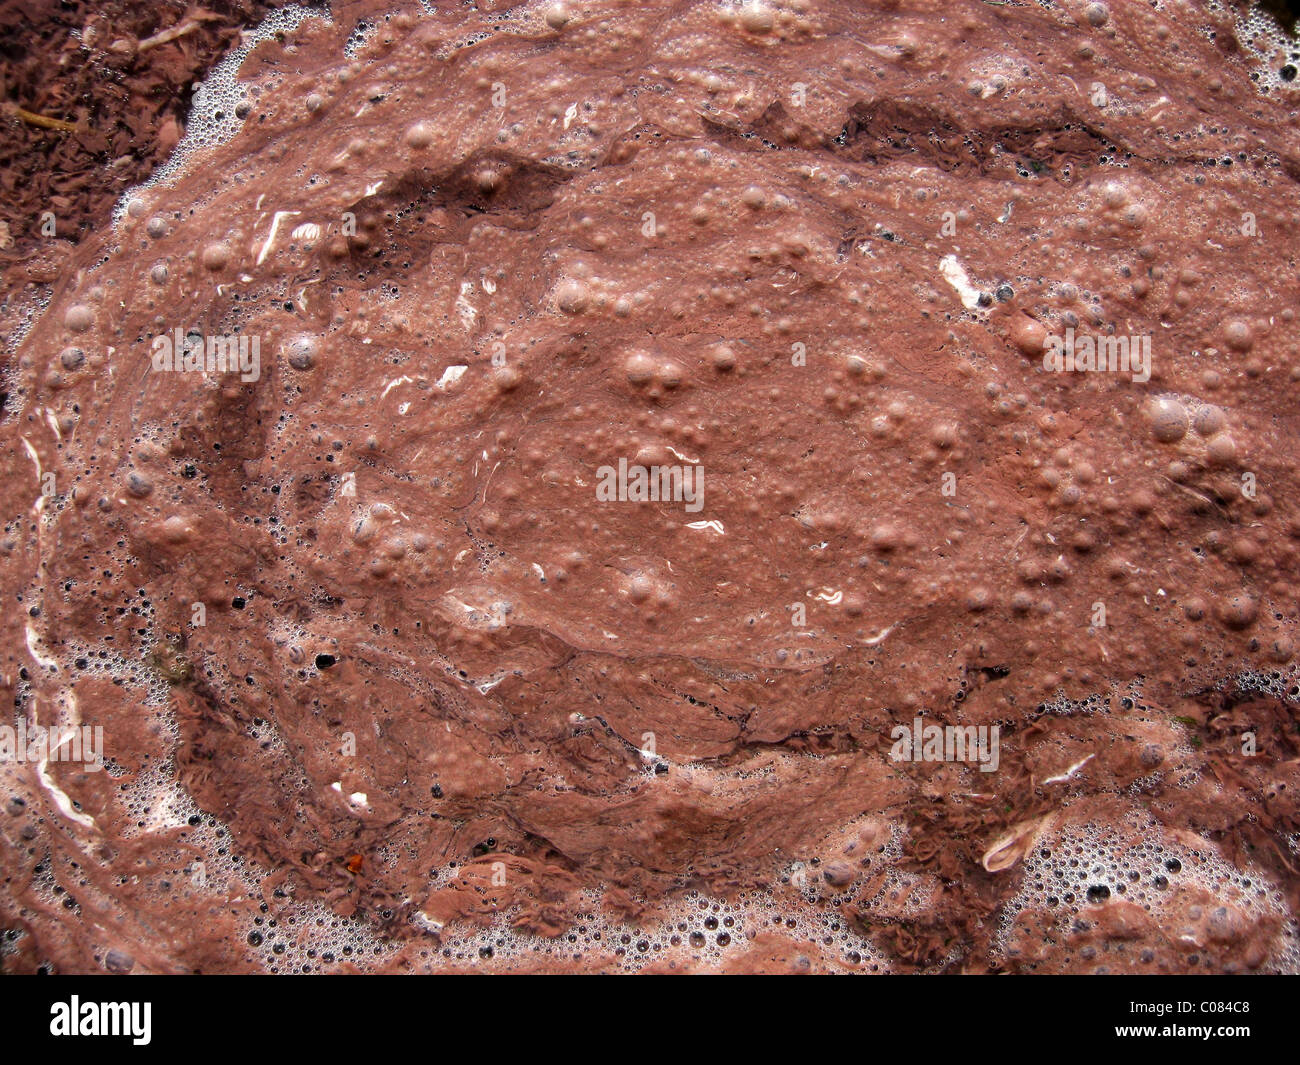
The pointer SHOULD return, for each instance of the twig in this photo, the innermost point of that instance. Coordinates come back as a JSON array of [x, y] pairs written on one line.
[[173, 32], [45, 122]]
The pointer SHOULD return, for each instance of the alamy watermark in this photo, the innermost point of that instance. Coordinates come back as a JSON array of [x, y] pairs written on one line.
[[183, 352], [919, 742], [58, 743], [651, 484], [77, 1018], [1116, 354]]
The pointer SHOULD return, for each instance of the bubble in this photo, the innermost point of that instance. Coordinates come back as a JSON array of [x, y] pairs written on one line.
[[79, 317], [420, 135], [301, 351], [671, 373], [1239, 335], [757, 17], [944, 435], [1243, 550], [639, 367], [1136, 215], [488, 179], [216, 257], [1028, 334], [506, 379], [1222, 449], [1097, 14], [572, 296], [724, 357], [72, 358], [176, 529], [886, 537], [1208, 420], [1239, 611], [557, 16], [1114, 194], [1168, 419]]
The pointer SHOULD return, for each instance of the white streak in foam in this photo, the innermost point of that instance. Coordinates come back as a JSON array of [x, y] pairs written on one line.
[[403, 380], [449, 377], [33, 638], [955, 275], [1060, 778], [36, 459], [879, 637], [60, 797], [270, 237]]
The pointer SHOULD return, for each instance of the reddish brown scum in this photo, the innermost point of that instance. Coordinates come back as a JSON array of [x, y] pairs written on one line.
[[782, 486]]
